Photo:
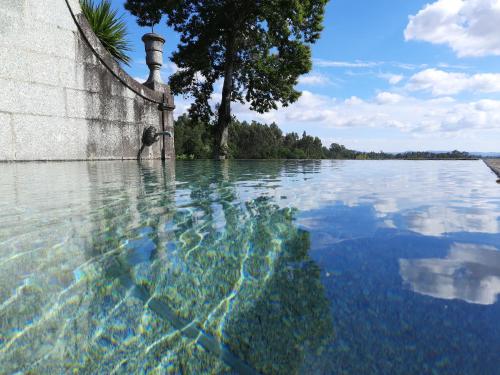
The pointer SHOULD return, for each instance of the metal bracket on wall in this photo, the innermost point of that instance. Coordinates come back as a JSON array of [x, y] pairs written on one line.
[[164, 109]]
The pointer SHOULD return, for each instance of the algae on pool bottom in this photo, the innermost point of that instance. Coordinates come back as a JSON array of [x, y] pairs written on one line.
[[168, 290], [272, 267]]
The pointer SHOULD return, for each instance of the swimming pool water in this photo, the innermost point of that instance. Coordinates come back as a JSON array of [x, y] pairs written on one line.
[[248, 267]]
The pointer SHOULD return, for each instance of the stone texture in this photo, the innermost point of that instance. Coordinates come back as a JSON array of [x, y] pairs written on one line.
[[39, 99], [43, 11], [9, 99], [494, 164], [130, 136], [6, 137], [49, 138], [105, 140], [31, 98], [62, 96], [39, 37]]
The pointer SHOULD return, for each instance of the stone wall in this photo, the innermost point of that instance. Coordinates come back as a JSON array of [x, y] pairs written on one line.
[[494, 164], [62, 96]]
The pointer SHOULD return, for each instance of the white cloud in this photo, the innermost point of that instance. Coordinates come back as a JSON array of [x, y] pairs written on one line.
[[452, 66], [439, 82], [141, 79], [344, 64], [469, 27], [418, 117], [388, 98], [353, 100], [169, 68], [315, 79], [393, 79], [407, 66]]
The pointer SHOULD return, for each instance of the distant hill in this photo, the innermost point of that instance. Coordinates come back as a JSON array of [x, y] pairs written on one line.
[[487, 154], [439, 152]]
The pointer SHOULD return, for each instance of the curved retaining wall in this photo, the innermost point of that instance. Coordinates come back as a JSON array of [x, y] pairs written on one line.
[[62, 96]]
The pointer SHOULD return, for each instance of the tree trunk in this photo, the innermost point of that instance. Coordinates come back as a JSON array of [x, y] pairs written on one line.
[[224, 116]]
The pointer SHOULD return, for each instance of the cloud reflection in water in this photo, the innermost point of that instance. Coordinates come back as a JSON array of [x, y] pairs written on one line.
[[469, 272]]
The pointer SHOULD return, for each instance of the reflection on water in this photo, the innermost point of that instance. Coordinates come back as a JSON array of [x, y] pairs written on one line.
[[249, 267], [163, 272], [469, 272]]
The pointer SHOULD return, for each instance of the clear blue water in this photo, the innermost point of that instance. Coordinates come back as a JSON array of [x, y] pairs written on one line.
[[332, 267]]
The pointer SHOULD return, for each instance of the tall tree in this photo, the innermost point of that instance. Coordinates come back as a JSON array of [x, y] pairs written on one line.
[[148, 12], [257, 48]]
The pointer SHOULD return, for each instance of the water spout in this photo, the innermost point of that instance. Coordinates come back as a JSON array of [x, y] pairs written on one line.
[[168, 134], [149, 137]]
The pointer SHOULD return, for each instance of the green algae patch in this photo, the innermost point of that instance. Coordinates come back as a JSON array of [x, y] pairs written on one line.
[[217, 287]]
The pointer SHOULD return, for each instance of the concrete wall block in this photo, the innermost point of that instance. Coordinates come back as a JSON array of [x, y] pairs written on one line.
[[153, 117], [147, 112], [9, 96], [118, 89], [45, 138], [170, 144], [109, 109], [152, 112], [71, 75], [105, 140], [58, 41], [97, 108], [17, 7], [95, 78], [128, 114], [39, 70], [7, 151], [12, 16], [85, 54], [131, 140], [43, 11], [83, 104], [131, 111], [93, 101], [10, 67], [40, 37], [75, 103], [40, 99]]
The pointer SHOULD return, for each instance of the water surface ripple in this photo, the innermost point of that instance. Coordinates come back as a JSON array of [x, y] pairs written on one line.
[[271, 267]]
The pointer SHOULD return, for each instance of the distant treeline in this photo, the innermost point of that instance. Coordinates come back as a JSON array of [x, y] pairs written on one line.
[[194, 140]]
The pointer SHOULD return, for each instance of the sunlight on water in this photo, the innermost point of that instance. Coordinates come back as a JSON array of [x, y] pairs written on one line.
[[249, 267]]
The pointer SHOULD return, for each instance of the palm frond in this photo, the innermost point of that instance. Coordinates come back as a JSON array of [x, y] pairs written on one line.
[[109, 27]]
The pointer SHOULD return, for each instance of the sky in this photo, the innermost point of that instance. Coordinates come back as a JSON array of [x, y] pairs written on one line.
[[387, 75]]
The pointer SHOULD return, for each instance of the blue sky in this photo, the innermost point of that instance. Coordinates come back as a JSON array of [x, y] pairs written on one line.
[[388, 75]]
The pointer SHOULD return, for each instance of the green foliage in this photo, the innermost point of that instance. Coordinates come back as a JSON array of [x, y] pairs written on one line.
[[147, 11], [258, 48], [108, 27], [194, 140]]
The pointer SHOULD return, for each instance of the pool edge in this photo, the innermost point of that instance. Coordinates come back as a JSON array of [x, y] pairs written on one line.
[[494, 165]]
